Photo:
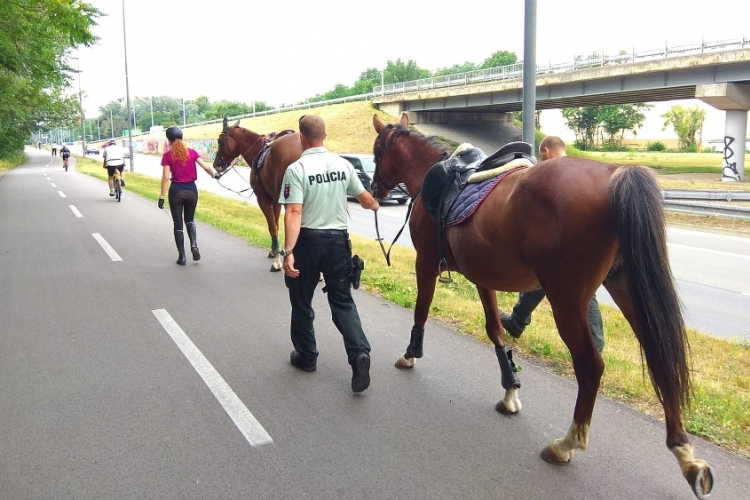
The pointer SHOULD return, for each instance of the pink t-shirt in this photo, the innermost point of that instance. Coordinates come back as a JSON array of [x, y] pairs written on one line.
[[186, 172]]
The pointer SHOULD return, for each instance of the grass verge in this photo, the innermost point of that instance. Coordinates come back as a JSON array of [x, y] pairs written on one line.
[[9, 163], [720, 408]]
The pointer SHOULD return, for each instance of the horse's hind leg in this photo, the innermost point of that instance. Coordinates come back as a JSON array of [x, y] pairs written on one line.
[[270, 212], [571, 317], [510, 404], [696, 471], [427, 273]]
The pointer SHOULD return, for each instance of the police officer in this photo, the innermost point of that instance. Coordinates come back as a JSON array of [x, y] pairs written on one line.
[[314, 192]]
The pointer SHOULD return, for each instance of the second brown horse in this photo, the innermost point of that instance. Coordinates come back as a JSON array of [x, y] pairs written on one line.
[[236, 141]]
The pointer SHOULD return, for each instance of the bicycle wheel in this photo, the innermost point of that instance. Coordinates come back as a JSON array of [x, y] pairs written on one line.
[[118, 190]]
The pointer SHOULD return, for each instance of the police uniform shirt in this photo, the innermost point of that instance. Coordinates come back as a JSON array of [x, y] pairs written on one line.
[[321, 181]]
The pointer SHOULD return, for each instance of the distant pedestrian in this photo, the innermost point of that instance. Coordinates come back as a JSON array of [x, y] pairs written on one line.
[[54, 149]]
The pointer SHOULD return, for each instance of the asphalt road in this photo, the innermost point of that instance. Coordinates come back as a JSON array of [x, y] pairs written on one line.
[[127, 376]]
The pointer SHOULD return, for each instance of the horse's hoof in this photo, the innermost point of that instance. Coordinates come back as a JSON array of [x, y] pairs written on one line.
[[551, 457], [405, 363], [700, 478], [275, 268], [501, 408], [271, 255]]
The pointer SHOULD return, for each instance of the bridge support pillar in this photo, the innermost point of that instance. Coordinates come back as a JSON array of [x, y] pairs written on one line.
[[734, 99], [735, 133]]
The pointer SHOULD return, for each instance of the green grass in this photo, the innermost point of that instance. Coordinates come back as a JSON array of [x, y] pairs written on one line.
[[720, 408], [9, 163]]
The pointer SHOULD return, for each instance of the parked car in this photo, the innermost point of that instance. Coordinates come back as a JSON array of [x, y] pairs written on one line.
[[92, 150], [364, 164]]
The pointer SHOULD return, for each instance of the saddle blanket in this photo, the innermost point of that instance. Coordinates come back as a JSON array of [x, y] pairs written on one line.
[[472, 196]]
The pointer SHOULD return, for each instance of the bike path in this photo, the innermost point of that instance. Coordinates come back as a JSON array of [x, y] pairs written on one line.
[[99, 402]]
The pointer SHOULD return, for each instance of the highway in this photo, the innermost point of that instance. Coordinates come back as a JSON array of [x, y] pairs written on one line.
[[712, 270]]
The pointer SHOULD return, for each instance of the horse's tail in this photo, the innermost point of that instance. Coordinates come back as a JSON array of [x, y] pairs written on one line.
[[638, 208]]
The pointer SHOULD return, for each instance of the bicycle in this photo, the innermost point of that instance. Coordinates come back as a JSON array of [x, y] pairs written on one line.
[[65, 163], [118, 187]]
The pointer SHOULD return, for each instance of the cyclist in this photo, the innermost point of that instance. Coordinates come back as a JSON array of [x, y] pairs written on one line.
[[65, 153], [114, 159]]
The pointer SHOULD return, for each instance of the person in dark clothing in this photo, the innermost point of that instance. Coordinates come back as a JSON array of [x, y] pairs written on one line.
[[179, 163], [314, 193], [516, 322]]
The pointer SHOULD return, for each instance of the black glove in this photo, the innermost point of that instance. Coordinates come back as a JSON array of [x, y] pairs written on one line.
[[217, 175], [161, 202]]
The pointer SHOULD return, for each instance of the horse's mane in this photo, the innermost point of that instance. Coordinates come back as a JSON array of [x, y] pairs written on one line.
[[399, 131]]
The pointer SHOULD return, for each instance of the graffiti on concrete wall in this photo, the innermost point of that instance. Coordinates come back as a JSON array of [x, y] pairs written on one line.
[[730, 168]]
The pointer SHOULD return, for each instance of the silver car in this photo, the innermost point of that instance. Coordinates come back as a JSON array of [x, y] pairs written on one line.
[[364, 164]]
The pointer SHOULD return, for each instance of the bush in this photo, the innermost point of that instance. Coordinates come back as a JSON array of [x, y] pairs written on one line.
[[655, 146]]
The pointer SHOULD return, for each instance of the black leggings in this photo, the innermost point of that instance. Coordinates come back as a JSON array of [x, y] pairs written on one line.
[[183, 197]]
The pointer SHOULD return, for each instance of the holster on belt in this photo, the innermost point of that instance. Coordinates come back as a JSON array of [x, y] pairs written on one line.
[[357, 266]]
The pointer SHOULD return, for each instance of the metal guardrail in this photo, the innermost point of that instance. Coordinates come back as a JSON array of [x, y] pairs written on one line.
[[687, 194], [515, 71], [687, 207], [672, 195]]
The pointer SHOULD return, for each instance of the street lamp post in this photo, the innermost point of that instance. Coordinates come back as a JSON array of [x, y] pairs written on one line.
[[80, 104], [111, 124], [151, 102], [127, 89], [184, 116]]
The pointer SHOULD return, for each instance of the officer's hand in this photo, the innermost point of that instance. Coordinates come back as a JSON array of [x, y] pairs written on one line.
[[376, 207], [289, 268], [161, 202]]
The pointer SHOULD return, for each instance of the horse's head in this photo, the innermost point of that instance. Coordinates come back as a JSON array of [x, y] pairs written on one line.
[[386, 175], [228, 147]]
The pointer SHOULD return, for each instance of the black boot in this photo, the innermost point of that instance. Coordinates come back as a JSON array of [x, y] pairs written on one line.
[[179, 239], [193, 240]]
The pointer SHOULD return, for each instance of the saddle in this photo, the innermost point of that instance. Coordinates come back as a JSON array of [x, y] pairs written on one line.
[[263, 145], [448, 178]]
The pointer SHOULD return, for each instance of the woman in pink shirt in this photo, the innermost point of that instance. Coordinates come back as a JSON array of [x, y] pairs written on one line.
[[179, 163]]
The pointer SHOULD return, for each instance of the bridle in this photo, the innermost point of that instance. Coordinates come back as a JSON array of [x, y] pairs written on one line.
[[226, 166], [377, 180]]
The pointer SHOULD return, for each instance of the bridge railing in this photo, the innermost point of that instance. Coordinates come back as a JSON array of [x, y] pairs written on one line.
[[515, 71]]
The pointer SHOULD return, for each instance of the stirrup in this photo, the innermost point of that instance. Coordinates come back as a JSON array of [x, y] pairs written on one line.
[[443, 266]]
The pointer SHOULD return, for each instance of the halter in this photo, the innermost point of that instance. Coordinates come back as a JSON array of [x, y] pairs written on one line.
[[377, 179]]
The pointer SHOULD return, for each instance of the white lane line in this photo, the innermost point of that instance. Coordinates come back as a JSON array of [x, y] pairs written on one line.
[[62, 195], [107, 248], [235, 408], [53, 184], [75, 211], [707, 250]]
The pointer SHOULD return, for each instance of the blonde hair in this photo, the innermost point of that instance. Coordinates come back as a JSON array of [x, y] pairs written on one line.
[[179, 151]]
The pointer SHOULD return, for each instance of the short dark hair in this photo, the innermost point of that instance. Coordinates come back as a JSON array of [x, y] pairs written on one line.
[[313, 127]]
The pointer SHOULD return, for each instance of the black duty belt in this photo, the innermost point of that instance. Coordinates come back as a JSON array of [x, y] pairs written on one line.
[[337, 232]]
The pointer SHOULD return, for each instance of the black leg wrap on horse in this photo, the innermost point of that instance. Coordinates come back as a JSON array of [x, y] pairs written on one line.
[[415, 344], [509, 377]]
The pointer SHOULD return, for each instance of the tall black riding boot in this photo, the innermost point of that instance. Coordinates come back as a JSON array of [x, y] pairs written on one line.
[[193, 240], [179, 239]]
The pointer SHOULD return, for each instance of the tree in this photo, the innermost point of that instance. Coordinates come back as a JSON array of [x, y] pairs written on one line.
[[584, 122], [615, 120], [34, 38], [400, 71], [686, 122], [367, 80], [456, 68], [499, 58]]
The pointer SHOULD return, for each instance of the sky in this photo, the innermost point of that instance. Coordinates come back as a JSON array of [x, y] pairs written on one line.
[[284, 52]]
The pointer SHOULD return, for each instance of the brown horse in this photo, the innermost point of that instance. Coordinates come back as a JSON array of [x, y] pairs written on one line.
[[266, 181], [566, 225]]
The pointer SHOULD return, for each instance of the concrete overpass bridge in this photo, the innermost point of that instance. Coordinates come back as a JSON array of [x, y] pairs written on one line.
[[716, 72]]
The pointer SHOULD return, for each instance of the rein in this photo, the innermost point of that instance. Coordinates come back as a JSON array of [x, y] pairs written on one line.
[[227, 168], [387, 255]]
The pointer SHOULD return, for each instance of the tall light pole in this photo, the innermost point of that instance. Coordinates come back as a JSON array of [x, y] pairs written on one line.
[[127, 89], [151, 102], [80, 104], [529, 72], [111, 124], [184, 116]]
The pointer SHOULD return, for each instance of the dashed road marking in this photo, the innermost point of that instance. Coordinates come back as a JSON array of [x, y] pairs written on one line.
[[107, 247], [53, 184], [75, 211], [254, 433], [62, 195]]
